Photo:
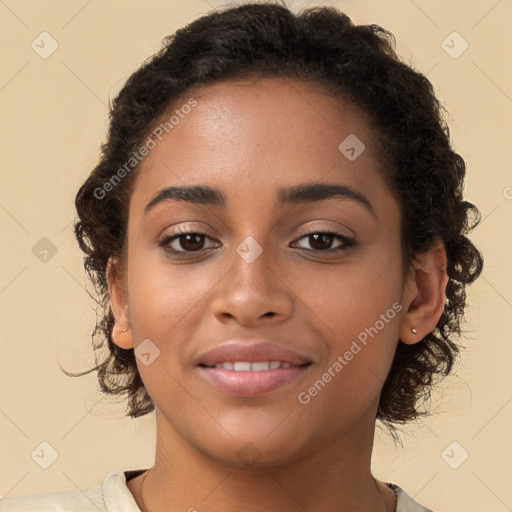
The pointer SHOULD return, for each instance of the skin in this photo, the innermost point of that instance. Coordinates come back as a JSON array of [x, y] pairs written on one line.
[[248, 139]]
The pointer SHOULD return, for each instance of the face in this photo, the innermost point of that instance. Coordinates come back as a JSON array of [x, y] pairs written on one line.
[[312, 280]]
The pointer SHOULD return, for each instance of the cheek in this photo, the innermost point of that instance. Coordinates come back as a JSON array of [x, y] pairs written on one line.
[[167, 303], [352, 296], [358, 308], [361, 324], [161, 292]]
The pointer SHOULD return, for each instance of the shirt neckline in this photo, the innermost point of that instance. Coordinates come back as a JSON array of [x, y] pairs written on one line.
[[399, 493]]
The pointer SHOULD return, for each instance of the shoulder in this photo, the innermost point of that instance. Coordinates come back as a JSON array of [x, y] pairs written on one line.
[[404, 503], [87, 499], [112, 495]]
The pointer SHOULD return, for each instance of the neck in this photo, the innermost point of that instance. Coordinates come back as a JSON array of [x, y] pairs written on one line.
[[336, 477]]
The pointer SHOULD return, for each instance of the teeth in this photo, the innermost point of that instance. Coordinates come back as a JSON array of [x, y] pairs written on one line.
[[256, 367], [243, 366]]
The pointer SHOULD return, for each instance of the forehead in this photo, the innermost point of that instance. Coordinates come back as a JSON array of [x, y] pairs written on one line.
[[263, 134]]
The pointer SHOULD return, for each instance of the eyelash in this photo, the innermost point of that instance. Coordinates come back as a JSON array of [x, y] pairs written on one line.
[[347, 242]]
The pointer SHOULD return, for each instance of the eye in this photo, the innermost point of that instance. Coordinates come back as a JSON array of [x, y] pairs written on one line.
[[322, 242], [185, 242]]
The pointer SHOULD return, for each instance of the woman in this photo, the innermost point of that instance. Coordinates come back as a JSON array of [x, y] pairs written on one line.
[[277, 230]]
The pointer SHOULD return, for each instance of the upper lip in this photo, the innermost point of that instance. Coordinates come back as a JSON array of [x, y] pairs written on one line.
[[251, 351]]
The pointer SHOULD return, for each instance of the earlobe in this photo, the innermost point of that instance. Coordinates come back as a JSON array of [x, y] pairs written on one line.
[[424, 294], [121, 332]]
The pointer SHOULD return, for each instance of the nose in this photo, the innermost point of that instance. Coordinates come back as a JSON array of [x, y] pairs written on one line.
[[255, 289]]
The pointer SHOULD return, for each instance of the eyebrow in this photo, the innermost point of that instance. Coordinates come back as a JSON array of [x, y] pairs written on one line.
[[302, 193]]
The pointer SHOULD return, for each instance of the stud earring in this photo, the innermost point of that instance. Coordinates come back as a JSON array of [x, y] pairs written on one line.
[[414, 331], [124, 330]]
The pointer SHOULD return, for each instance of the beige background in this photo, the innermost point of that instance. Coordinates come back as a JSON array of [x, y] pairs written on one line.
[[54, 117]]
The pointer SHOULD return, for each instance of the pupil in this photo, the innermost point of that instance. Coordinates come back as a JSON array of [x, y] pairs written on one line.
[[317, 236]]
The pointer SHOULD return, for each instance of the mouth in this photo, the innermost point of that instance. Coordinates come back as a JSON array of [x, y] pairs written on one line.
[[250, 367], [252, 379]]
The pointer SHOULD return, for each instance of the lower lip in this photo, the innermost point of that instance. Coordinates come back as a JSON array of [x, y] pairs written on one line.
[[251, 383]]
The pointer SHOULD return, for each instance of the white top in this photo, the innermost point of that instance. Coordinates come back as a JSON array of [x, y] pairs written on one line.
[[113, 495]]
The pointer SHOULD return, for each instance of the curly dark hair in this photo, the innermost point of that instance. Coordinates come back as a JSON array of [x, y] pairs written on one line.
[[356, 63]]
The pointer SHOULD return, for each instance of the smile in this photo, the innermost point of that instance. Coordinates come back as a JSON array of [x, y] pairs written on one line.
[[251, 367]]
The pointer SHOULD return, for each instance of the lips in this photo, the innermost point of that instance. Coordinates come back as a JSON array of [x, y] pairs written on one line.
[[251, 368]]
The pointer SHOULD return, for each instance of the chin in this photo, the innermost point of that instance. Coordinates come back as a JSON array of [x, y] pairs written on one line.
[[258, 451]]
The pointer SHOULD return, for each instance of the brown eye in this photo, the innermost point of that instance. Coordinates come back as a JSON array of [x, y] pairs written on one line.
[[184, 243], [322, 242], [191, 242]]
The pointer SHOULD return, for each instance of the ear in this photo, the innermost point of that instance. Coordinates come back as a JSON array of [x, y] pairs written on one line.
[[424, 294], [121, 333]]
